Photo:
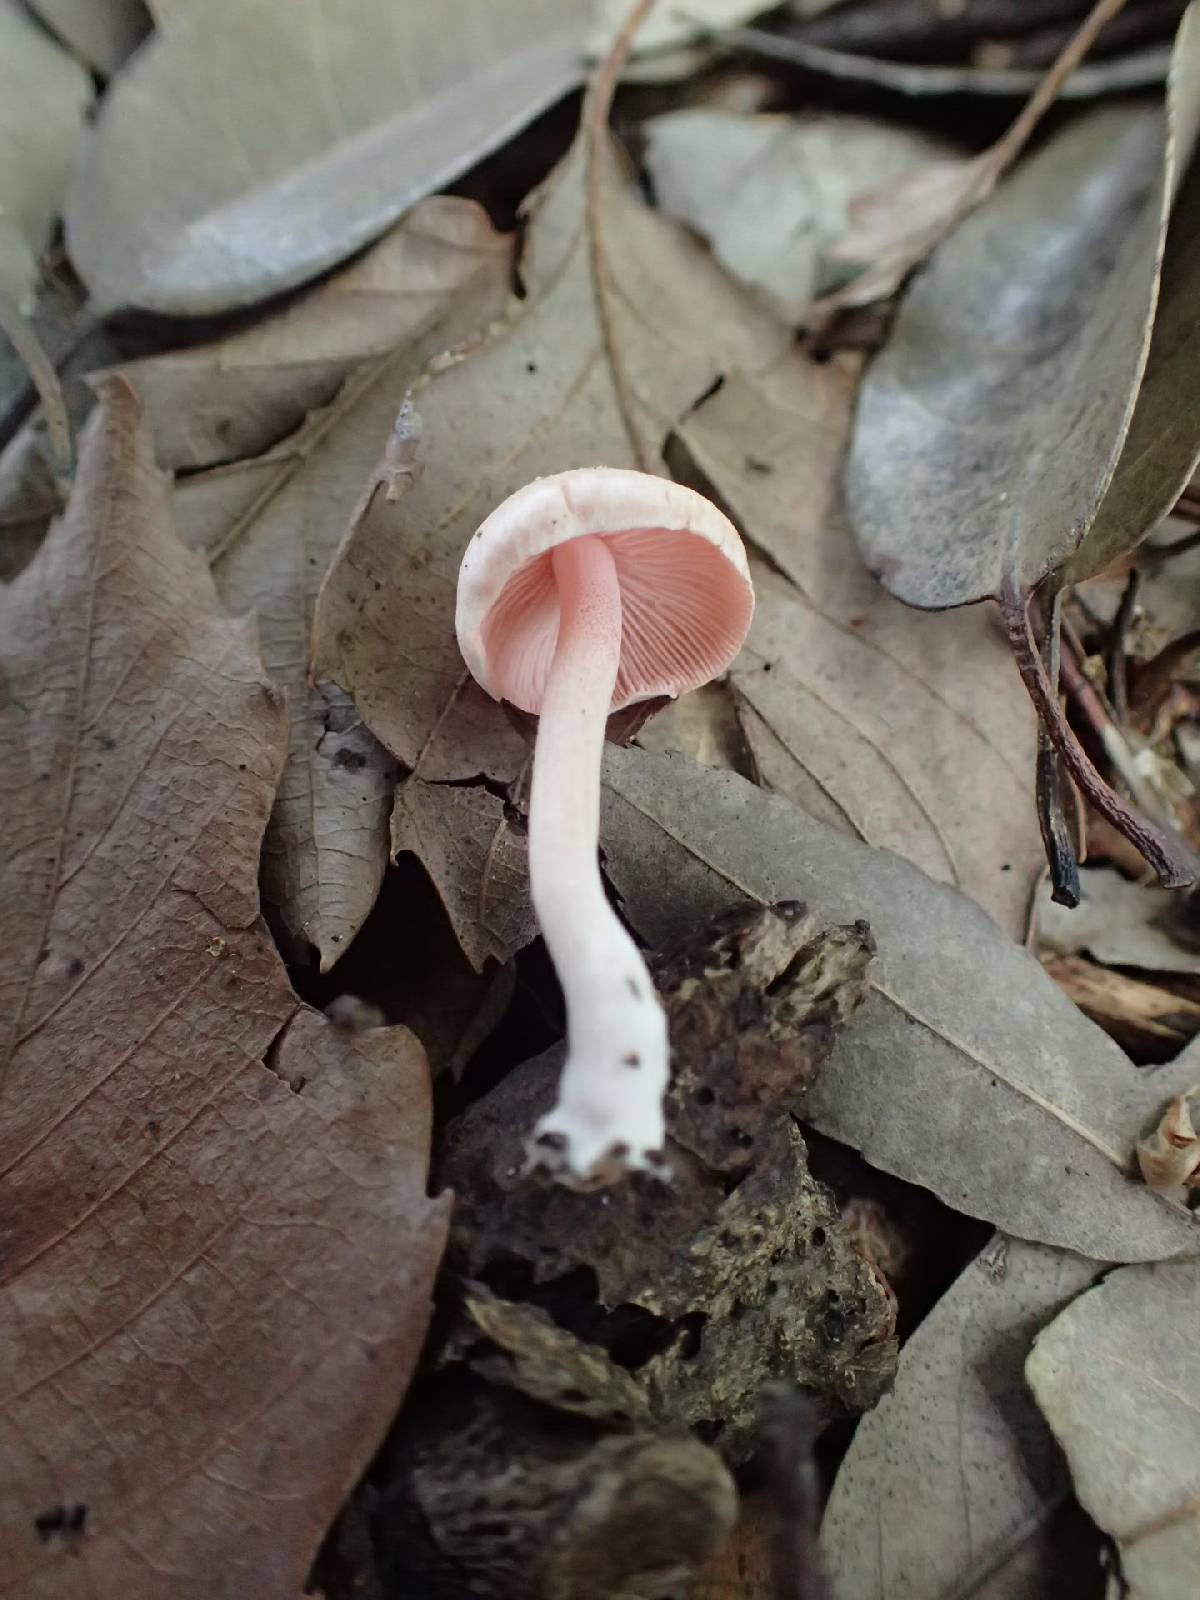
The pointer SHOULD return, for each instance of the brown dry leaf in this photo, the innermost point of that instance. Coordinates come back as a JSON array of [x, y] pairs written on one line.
[[627, 322], [476, 859], [902, 730], [237, 397], [272, 524], [202, 1178], [704, 725], [1149, 1021]]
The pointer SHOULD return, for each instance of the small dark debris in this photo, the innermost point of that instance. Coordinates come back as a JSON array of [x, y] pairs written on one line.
[[65, 1524]]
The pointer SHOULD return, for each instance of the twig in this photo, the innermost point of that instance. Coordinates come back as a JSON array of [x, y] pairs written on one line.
[[1172, 859], [1118, 745], [1150, 556], [1052, 821], [970, 183], [1114, 649], [1122, 746], [1010, 144], [1155, 677], [1187, 508], [25, 342], [922, 78]]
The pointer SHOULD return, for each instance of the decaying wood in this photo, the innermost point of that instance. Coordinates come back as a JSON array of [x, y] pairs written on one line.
[[615, 1321]]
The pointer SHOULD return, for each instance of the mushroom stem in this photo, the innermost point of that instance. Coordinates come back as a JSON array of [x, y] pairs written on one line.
[[609, 1115]]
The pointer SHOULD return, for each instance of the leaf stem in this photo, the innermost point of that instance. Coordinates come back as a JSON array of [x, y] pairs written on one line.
[[1172, 860], [1153, 678], [1056, 835], [1010, 144], [23, 337]]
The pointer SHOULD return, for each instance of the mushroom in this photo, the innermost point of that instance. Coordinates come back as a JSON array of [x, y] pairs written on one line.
[[580, 594]]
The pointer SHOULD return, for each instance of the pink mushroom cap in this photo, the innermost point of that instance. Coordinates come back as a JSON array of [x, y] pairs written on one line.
[[686, 595]]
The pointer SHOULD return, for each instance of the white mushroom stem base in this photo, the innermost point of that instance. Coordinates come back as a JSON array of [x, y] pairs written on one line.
[[609, 1116]]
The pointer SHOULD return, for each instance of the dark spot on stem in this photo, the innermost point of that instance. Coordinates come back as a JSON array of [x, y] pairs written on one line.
[[631, 1060]]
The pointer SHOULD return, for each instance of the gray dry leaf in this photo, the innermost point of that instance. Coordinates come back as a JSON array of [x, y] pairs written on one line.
[[476, 859], [967, 1070], [989, 426], [44, 96], [774, 195], [626, 323], [902, 730], [271, 526], [201, 1176], [1115, 1374], [103, 33], [1120, 923], [951, 1486], [252, 145], [1162, 447]]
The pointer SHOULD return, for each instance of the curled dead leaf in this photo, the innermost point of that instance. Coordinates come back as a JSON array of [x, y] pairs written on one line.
[[1170, 1157]]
